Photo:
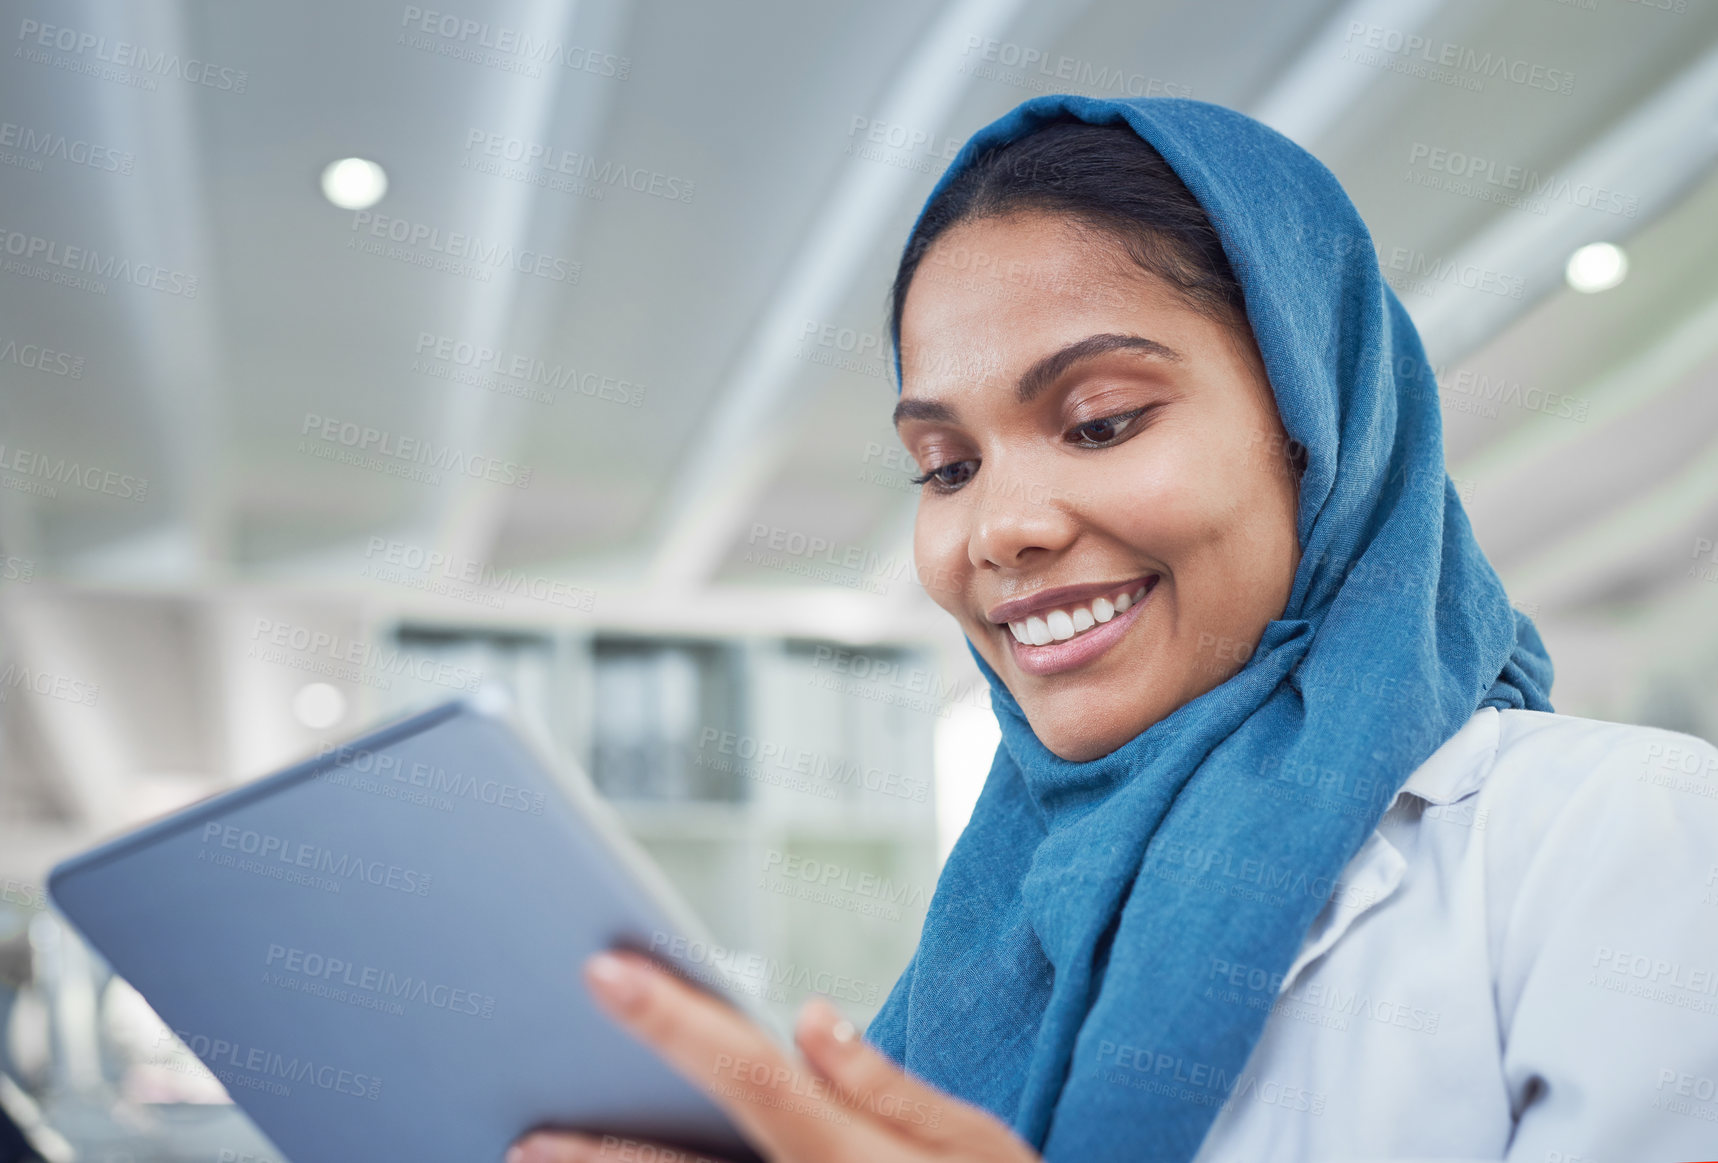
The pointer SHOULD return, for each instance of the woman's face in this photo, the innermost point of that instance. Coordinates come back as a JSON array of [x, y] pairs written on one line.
[[1109, 478]]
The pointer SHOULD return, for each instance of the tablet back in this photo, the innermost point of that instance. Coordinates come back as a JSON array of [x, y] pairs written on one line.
[[378, 951]]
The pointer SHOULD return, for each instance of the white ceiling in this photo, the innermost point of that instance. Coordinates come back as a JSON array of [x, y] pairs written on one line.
[[789, 226]]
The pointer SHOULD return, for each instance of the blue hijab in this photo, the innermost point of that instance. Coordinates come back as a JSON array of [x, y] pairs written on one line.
[[1074, 973]]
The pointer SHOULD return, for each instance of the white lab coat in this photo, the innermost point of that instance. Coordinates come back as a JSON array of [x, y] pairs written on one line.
[[1520, 963]]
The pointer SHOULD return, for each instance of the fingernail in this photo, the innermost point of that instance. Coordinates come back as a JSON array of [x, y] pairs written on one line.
[[615, 981], [826, 1015]]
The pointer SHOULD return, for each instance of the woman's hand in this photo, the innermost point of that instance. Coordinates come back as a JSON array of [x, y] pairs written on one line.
[[845, 1103]]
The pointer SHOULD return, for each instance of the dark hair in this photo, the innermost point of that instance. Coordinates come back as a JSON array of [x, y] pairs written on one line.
[[1104, 177]]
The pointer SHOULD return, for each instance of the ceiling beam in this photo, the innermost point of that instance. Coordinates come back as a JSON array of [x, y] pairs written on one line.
[[1658, 150], [1315, 90], [49, 667], [162, 214], [1657, 367], [733, 458], [463, 516], [1581, 565]]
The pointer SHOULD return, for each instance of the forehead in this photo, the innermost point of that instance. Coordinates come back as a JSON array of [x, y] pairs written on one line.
[[991, 295], [995, 263]]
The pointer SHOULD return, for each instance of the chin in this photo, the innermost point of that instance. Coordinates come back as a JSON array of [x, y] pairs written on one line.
[[1079, 743], [1075, 726], [1077, 746], [1079, 716]]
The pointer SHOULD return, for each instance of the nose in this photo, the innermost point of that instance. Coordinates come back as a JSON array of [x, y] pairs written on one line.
[[1018, 517]]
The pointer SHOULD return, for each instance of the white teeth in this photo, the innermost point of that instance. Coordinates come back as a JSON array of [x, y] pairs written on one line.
[[1061, 625]]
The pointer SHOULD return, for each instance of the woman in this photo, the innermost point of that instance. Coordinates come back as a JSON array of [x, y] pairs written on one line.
[[1284, 854]]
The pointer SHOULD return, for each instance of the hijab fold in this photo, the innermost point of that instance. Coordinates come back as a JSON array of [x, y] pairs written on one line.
[[1075, 973]]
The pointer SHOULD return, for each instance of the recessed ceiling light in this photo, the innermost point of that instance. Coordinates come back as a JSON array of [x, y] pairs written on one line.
[[354, 183], [1598, 266], [318, 705]]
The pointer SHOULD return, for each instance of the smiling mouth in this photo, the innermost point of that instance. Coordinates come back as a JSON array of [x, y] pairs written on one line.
[[1073, 620]]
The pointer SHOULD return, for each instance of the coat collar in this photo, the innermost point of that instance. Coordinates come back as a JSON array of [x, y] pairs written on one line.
[[1454, 770], [1459, 766]]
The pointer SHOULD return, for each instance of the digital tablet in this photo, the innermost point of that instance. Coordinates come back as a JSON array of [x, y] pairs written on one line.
[[378, 951]]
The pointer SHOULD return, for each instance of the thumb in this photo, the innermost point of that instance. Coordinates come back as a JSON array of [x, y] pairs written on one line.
[[871, 1084]]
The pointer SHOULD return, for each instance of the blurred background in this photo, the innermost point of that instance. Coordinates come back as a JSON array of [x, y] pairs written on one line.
[[355, 356]]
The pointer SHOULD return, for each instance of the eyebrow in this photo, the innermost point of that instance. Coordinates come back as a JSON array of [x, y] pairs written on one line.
[[1045, 372]]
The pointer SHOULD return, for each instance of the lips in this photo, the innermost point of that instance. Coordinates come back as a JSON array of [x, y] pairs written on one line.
[[1070, 621], [1069, 640], [1064, 598]]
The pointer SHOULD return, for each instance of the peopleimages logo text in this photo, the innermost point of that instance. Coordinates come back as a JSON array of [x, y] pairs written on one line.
[[1462, 61], [352, 659], [457, 245], [58, 469], [342, 866], [414, 450], [34, 248], [126, 55], [270, 1068], [44, 143], [371, 979], [527, 46], [1523, 179], [432, 779]]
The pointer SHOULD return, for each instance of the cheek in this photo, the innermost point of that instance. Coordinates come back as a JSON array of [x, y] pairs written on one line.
[[1168, 499], [939, 552]]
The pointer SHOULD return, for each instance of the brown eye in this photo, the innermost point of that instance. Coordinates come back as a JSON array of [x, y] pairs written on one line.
[[949, 477], [1099, 431], [1102, 432]]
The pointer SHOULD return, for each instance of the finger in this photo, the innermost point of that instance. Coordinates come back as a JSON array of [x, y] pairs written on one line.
[[567, 1147], [869, 1081], [783, 1107], [864, 1076], [554, 1147]]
